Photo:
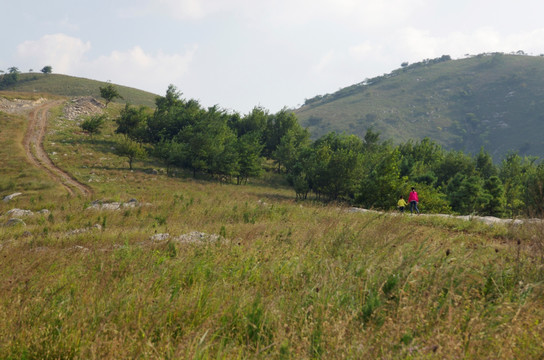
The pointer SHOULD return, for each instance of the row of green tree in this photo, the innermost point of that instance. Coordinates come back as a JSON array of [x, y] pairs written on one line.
[[374, 174], [212, 141], [365, 172]]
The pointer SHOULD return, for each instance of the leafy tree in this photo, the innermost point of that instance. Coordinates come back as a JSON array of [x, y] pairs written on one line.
[[131, 150], [302, 175], [249, 150], [169, 100], [513, 173], [277, 126], [497, 201], [286, 151], [371, 140], [467, 195], [171, 153], [484, 164], [48, 69], [255, 122], [453, 163], [420, 159], [10, 78], [172, 115], [381, 181], [210, 145], [534, 193], [335, 166], [93, 124], [109, 93], [132, 122]]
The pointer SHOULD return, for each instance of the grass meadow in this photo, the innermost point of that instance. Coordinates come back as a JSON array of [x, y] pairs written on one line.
[[278, 280]]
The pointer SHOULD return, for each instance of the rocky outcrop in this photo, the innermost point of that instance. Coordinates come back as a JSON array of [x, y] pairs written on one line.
[[101, 205], [82, 106], [194, 237]]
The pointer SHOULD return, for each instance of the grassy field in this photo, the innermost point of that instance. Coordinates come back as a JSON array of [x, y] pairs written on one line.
[[273, 278]]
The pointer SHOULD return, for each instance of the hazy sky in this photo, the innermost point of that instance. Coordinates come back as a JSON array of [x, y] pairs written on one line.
[[244, 53]]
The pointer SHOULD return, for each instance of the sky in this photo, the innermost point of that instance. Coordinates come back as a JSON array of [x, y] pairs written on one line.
[[239, 54]]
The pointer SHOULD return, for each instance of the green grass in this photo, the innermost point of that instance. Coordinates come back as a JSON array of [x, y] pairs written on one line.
[[71, 86], [287, 280]]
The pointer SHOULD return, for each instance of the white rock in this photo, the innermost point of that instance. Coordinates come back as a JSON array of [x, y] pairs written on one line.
[[160, 237], [9, 197], [19, 213]]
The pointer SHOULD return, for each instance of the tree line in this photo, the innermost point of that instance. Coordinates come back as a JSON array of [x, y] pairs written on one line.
[[365, 172], [225, 146]]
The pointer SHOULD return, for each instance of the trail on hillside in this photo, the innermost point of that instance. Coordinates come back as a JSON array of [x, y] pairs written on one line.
[[33, 145]]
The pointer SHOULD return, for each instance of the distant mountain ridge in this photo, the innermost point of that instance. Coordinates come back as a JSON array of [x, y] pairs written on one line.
[[492, 100]]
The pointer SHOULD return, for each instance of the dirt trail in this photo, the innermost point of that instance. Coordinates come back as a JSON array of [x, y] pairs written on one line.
[[33, 144]]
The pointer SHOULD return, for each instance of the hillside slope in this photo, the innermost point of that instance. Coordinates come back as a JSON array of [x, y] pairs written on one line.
[[491, 100], [65, 85], [161, 266]]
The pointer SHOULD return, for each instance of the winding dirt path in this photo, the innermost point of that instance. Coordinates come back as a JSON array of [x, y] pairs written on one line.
[[33, 144]]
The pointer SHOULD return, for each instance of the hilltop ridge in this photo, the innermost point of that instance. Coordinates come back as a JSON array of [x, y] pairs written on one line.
[[72, 86]]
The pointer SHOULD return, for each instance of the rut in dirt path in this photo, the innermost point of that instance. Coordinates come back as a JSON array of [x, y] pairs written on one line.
[[33, 144]]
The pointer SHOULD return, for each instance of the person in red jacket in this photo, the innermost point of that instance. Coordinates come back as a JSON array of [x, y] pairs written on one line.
[[413, 200]]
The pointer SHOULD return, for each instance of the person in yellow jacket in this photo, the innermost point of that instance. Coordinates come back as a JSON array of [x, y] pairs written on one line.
[[401, 204]]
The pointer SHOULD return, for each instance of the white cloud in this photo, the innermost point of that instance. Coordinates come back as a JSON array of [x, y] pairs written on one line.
[[58, 50], [419, 44], [351, 13], [134, 67], [363, 50], [177, 9], [323, 63]]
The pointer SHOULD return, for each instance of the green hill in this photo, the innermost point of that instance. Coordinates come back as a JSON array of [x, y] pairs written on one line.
[[491, 100], [65, 85]]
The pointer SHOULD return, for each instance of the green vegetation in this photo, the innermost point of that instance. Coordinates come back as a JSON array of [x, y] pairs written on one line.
[[48, 69], [109, 93], [362, 172], [93, 124], [489, 100], [284, 280], [265, 276], [71, 86]]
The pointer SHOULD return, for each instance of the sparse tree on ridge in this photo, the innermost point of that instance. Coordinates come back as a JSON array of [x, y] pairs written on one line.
[[10, 78], [109, 93], [48, 69]]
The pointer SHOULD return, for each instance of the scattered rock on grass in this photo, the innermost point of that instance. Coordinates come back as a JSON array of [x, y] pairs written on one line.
[[198, 238], [15, 222], [9, 197], [160, 237], [101, 205], [84, 230], [19, 213]]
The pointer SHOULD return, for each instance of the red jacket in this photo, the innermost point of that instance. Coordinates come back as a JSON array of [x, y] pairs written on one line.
[[413, 196]]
